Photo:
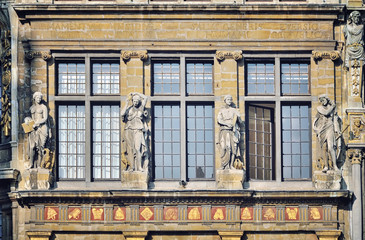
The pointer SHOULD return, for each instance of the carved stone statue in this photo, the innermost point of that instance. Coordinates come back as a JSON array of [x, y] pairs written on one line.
[[38, 131], [135, 137], [354, 35], [229, 135], [327, 126]]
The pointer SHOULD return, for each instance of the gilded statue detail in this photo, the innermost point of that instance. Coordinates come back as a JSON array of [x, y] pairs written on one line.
[[135, 137], [327, 126]]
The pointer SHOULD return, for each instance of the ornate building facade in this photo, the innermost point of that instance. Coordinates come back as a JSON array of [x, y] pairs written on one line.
[[182, 119]]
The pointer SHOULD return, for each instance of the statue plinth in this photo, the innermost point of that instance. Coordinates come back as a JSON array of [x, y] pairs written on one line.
[[330, 180], [135, 180], [37, 178], [231, 179]]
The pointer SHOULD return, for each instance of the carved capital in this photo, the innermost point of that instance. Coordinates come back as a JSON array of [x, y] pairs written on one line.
[[319, 55], [356, 155], [135, 235], [328, 234], [222, 55], [39, 235], [45, 55], [127, 55]]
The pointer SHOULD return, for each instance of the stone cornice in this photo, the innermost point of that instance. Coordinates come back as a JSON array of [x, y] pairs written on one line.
[[127, 55], [222, 55], [45, 55], [319, 55]]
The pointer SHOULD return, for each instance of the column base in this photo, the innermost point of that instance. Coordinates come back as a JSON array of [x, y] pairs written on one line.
[[330, 180], [231, 179], [37, 178], [135, 180]]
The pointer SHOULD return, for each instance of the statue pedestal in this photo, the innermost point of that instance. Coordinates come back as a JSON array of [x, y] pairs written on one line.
[[330, 180], [37, 178], [230, 179], [135, 180]]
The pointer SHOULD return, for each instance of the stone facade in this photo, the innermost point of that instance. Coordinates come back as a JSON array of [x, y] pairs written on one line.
[[88, 200]]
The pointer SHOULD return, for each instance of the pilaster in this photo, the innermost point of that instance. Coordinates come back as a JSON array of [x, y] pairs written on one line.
[[132, 71]]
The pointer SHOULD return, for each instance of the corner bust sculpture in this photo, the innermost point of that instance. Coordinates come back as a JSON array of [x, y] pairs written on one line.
[[327, 126], [229, 135], [354, 35], [135, 136], [38, 131]]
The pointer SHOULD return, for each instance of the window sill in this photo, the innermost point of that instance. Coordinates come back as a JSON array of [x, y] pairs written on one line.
[[274, 185]]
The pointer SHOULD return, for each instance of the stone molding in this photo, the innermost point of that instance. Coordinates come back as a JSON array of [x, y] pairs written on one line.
[[127, 55], [222, 55], [319, 55], [45, 55], [328, 234], [356, 155], [39, 235]]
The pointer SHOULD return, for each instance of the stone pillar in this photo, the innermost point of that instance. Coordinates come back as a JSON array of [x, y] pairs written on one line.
[[328, 234], [356, 156], [132, 75], [230, 235], [135, 235], [39, 235]]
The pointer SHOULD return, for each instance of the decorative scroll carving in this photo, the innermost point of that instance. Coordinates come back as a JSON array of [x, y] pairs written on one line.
[[135, 137], [229, 121], [327, 126], [354, 35], [127, 55], [5, 80], [355, 72], [356, 155], [319, 55], [222, 55], [45, 55]]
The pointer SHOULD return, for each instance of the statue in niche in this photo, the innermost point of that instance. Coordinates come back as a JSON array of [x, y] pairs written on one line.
[[135, 137], [327, 126], [354, 35], [229, 121], [38, 133]]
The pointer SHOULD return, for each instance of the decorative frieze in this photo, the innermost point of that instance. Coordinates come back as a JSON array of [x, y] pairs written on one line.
[[127, 55], [319, 55], [45, 55], [222, 55]]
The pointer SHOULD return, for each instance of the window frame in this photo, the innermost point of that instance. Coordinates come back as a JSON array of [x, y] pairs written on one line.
[[183, 99], [279, 100], [88, 100]]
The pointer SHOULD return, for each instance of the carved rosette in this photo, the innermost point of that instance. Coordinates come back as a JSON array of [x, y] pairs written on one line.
[[319, 55], [222, 55], [6, 80], [127, 55], [45, 55], [356, 156]]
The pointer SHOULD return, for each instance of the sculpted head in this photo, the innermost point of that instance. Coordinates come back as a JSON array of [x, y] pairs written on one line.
[[357, 122], [324, 99], [37, 97], [136, 100], [228, 100], [355, 17]]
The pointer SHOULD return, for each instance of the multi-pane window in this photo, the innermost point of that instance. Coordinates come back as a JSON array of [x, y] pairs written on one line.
[[183, 118], [88, 118], [278, 129]]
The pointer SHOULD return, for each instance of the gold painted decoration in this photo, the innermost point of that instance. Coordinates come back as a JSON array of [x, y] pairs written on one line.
[[170, 213], [74, 214], [194, 213], [218, 213], [246, 213], [291, 213], [146, 214], [315, 213], [51, 213], [119, 214], [5, 82], [97, 214], [269, 214]]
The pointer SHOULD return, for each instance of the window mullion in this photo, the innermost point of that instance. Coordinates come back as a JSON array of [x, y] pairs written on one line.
[[278, 170], [88, 121], [183, 118]]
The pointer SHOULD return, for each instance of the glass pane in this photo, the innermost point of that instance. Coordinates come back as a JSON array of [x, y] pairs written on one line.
[[166, 78], [294, 78], [71, 78]]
